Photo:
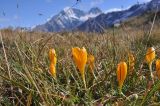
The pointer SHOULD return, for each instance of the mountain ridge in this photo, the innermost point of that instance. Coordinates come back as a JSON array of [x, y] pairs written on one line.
[[72, 19], [67, 19], [104, 21]]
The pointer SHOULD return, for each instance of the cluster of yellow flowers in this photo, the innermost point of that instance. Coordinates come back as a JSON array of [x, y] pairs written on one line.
[[81, 58], [122, 67]]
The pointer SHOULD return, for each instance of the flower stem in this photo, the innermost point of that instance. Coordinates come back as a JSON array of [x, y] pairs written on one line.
[[120, 89], [151, 74], [84, 81]]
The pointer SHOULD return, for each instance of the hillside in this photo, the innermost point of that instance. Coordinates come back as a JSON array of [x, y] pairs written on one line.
[[144, 20]]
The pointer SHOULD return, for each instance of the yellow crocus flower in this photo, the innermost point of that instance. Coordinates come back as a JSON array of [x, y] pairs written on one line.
[[53, 70], [80, 59], [53, 61], [158, 68], [121, 74], [150, 55], [52, 56]]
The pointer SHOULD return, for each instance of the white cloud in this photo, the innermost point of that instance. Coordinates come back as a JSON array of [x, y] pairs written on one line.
[[96, 2]]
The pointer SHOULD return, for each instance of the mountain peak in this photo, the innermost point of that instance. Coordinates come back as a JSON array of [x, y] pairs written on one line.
[[72, 12], [94, 20], [67, 19], [66, 8], [94, 10]]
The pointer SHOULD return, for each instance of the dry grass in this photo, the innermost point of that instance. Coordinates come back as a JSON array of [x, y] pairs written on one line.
[[29, 81]]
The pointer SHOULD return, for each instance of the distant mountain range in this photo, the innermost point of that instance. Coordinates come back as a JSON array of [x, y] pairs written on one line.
[[67, 20], [94, 20]]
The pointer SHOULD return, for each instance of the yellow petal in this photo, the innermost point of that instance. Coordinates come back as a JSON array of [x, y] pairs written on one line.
[[75, 53], [121, 73], [53, 70], [52, 56], [150, 55], [80, 58], [158, 68]]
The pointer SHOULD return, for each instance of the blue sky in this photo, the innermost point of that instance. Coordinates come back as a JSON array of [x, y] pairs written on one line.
[[26, 15]]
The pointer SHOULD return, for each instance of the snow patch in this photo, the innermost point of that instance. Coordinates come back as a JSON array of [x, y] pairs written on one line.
[[112, 10], [66, 9], [86, 17]]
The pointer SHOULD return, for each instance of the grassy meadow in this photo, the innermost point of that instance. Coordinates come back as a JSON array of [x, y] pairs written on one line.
[[25, 79]]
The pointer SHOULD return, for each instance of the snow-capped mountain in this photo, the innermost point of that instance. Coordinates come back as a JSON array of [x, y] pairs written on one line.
[[94, 20], [67, 19], [103, 21]]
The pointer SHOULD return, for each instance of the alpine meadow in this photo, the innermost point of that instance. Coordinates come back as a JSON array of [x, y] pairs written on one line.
[[80, 58]]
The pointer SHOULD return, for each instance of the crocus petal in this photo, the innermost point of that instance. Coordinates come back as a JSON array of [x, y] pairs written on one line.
[[53, 61], [52, 56], [121, 73], [80, 59], [150, 55], [53, 70], [158, 68]]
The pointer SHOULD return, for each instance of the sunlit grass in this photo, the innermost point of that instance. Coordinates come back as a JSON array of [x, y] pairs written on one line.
[[25, 77]]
